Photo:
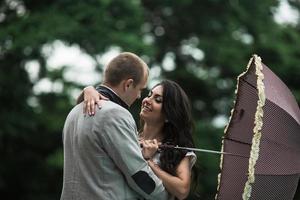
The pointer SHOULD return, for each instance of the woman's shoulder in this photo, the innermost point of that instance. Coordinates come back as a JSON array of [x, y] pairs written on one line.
[[192, 157]]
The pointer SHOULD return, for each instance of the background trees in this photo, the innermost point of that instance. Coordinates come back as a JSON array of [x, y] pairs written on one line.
[[203, 45]]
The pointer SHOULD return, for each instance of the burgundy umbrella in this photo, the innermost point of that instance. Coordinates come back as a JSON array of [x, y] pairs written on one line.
[[265, 127]]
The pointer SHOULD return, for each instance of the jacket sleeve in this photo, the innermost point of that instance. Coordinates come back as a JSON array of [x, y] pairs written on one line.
[[119, 139]]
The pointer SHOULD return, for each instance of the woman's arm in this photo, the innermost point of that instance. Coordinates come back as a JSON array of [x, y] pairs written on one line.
[[178, 185]]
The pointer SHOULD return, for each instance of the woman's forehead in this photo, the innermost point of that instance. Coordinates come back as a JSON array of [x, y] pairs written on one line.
[[158, 89]]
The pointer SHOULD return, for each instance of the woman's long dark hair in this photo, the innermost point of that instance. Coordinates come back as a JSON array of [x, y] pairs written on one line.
[[178, 127]]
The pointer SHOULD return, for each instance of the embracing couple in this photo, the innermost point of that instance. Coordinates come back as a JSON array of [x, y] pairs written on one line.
[[106, 158]]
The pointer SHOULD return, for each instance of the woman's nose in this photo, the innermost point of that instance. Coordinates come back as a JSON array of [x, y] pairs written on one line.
[[147, 100]]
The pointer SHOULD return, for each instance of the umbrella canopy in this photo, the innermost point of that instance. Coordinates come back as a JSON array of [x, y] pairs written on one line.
[[264, 126]]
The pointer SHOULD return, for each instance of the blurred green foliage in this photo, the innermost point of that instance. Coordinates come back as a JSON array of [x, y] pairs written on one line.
[[210, 41]]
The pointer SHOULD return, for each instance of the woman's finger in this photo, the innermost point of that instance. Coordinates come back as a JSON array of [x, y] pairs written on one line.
[[92, 107], [88, 107]]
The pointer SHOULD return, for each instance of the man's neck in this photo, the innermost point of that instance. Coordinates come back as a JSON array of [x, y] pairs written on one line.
[[113, 89]]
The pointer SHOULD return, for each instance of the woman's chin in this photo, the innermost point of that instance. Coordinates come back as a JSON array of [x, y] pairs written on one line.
[[142, 115]]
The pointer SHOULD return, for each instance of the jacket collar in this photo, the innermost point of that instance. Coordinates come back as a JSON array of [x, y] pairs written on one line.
[[109, 93]]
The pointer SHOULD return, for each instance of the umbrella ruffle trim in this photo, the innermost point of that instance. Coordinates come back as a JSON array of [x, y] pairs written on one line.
[[254, 153], [219, 175], [230, 118]]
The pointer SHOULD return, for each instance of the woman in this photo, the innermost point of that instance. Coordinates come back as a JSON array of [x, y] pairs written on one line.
[[166, 119]]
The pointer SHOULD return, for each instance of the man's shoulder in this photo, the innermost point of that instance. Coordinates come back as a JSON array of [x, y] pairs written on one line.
[[109, 105], [109, 108], [75, 110], [112, 113]]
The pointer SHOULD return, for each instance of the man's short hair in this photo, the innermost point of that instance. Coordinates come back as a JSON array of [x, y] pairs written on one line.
[[125, 66]]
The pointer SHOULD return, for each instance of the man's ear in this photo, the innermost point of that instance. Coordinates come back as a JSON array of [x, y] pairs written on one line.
[[127, 84]]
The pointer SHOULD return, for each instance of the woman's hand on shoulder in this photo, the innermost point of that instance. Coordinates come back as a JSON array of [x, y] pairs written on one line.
[[91, 98]]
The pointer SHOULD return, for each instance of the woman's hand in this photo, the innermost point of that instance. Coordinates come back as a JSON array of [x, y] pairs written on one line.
[[91, 97], [149, 148]]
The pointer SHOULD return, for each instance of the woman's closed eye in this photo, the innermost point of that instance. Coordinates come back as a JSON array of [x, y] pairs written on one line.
[[158, 99]]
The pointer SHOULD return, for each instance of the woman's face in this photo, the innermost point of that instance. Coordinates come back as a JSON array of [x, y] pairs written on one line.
[[151, 110]]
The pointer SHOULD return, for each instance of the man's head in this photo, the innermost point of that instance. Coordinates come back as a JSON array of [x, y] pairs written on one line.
[[127, 75]]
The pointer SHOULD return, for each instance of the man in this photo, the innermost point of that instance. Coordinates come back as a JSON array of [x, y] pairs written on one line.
[[102, 157]]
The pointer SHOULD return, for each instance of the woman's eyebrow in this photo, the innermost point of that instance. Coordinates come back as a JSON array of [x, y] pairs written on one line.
[[157, 95]]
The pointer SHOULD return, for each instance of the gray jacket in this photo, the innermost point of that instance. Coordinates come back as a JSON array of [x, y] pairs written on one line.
[[102, 158]]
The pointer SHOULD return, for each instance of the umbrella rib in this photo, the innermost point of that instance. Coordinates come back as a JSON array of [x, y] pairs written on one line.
[[254, 87], [234, 140]]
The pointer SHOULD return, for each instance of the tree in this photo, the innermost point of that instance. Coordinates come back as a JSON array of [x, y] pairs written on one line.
[[31, 149]]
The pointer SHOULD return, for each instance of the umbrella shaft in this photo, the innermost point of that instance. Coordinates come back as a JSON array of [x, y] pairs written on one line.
[[209, 151]]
